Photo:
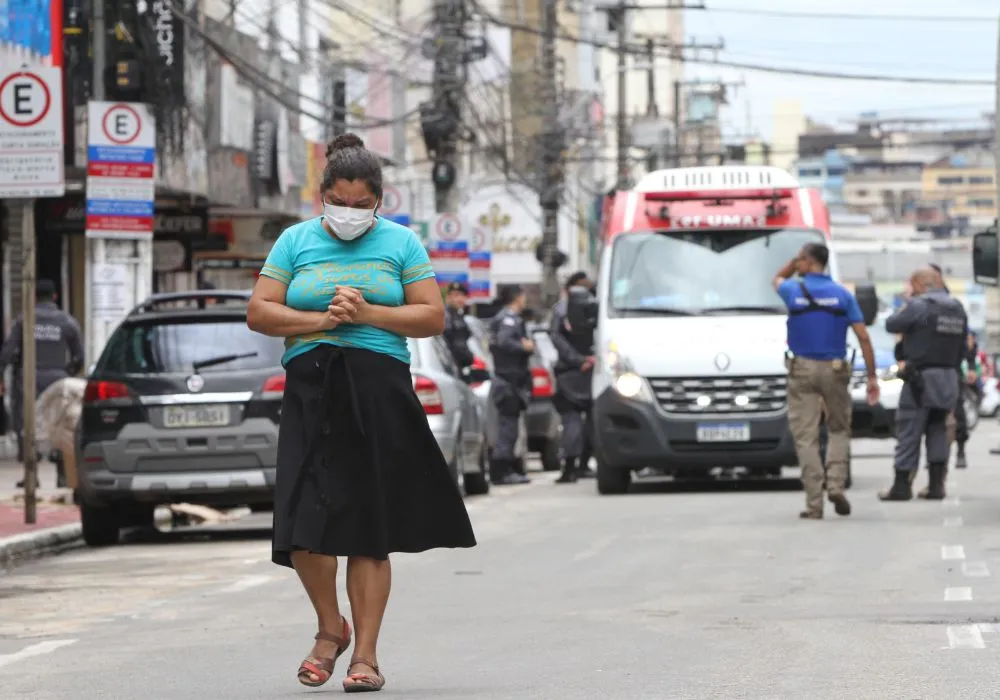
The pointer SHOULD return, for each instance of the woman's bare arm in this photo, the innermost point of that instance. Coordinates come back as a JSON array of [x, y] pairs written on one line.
[[268, 314], [422, 316]]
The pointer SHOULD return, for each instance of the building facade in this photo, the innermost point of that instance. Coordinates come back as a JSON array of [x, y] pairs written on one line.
[[964, 187]]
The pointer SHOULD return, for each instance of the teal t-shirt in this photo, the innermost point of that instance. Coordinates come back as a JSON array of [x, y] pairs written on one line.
[[379, 264]]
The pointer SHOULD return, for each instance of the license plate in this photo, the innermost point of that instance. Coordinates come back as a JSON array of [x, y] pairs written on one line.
[[724, 432], [208, 416]]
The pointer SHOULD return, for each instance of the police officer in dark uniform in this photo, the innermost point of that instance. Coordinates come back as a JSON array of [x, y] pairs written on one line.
[[58, 354], [456, 330], [572, 332], [510, 389], [934, 326], [961, 419]]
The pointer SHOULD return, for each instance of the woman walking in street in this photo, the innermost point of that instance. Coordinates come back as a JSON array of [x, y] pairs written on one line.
[[360, 474]]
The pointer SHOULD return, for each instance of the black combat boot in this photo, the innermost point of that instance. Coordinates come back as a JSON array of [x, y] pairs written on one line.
[[568, 475], [935, 483], [506, 474], [902, 488], [60, 470], [960, 462], [583, 470]]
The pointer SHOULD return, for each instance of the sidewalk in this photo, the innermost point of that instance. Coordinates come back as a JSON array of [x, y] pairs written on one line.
[[57, 524]]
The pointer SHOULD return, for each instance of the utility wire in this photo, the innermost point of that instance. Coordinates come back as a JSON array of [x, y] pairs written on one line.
[[755, 67], [936, 19], [261, 80]]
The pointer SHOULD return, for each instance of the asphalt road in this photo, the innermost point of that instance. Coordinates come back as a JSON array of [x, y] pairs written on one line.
[[693, 593]]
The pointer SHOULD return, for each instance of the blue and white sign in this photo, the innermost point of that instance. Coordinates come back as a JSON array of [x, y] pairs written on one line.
[[481, 286], [450, 240], [121, 170]]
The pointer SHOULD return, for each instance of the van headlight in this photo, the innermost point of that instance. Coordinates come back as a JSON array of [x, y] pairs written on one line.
[[624, 379]]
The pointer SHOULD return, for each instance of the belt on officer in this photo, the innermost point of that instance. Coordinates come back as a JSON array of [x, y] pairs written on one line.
[[837, 364]]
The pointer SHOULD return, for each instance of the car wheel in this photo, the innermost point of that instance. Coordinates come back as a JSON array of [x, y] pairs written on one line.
[[101, 527], [478, 484], [551, 457], [611, 481]]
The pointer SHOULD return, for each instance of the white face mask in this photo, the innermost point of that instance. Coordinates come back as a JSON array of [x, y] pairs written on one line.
[[348, 223]]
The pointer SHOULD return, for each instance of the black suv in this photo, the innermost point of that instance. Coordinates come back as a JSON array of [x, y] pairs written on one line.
[[182, 406]]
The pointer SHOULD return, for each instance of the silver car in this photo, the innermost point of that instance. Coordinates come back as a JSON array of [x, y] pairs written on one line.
[[453, 412]]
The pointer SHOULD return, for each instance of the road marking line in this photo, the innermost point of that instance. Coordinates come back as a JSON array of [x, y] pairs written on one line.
[[245, 583], [596, 548], [975, 569], [954, 521], [952, 551], [958, 594], [34, 650], [965, 637], [953, 501]]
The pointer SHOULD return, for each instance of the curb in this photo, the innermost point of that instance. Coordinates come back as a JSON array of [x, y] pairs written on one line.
[[30, 545]]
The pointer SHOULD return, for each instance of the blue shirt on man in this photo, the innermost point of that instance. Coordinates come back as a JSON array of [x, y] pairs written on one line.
[[819, 334]]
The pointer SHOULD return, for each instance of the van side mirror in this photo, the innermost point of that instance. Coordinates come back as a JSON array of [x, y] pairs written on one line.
[[985, 262], [868, 301]]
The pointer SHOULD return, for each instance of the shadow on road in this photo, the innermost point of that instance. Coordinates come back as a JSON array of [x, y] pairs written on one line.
[[241, 530], [657, 485]]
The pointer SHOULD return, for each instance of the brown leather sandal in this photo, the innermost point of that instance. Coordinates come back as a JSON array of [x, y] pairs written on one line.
[[363, 682], [322, 667]]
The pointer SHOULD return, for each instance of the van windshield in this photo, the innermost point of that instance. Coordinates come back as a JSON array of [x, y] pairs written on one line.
[[702, 272]]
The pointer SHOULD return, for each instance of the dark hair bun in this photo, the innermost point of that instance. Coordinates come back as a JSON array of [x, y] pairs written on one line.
[[344, 141]]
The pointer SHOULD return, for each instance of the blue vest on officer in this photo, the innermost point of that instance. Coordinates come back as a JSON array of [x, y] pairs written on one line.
[[819, 313]]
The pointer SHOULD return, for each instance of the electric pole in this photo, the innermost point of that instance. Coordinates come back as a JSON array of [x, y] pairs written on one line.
[[618, 21], [678, 123], [993, 293], [553, 150], [442, 117]]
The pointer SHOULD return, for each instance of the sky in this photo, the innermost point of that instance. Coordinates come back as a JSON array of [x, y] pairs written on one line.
[[951, 50]]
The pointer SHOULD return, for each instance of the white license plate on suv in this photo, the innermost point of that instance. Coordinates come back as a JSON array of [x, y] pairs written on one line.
[[207, 416], [724, 432]]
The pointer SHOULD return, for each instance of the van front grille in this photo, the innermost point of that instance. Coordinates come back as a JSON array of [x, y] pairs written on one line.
[[694, 395]]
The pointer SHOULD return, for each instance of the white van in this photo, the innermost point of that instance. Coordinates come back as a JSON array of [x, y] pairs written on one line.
[[691, 335]]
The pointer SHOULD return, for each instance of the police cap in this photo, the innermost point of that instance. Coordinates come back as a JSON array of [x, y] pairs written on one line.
[[45, 289], [458, 287], [575, 279]]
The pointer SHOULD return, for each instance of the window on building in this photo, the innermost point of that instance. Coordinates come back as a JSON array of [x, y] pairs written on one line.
[[982, 203], [810, 172], [836, 171], [950, 180], [981, 180]]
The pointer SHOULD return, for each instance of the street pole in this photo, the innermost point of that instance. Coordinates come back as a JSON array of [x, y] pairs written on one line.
[[99, 49], [622, 51], [28, 366], [447, 88], [993, 293], [552, 157], [677, 124]]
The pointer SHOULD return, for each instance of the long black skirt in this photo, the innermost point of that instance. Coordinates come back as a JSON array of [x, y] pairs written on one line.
[[359, 470]]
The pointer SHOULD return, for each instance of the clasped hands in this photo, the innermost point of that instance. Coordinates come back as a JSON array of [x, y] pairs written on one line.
[[348, 306]]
